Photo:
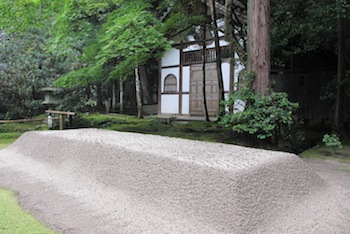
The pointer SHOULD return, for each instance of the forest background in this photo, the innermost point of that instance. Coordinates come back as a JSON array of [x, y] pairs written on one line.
[[95, 50]]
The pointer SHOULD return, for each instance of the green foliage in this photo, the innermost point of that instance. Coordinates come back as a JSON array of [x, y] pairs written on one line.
[[130, 37], [299, 27], [332, 141], [19, 16], [112, 37], [81, 77], [153, 122], [264, 116], [25, 67], [77, 23], [77, 100], [330, 88], [182, 20]]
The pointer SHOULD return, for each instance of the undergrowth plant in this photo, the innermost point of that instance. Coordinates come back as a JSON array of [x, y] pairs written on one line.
[[332, 141], [267, 117]]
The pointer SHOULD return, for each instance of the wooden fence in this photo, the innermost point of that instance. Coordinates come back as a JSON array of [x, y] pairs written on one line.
[[306, 88]]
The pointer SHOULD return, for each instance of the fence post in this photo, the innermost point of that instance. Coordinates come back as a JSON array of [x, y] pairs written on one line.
[[61, 122]]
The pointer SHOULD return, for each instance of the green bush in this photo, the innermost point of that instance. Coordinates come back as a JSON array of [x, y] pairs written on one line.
[[332, 141], [268, 117], [153, 122]]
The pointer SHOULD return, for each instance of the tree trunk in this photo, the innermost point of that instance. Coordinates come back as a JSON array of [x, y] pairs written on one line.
[[145, 84], [229, 30], [341, 73], [236, 38], [138, 94], [114, 98], [259, 44], [221, 110], [88, 91], [204, 58], [100, 107], [121, 96]]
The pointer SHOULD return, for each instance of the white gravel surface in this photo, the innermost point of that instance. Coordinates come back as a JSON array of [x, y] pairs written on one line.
[[98, 181]]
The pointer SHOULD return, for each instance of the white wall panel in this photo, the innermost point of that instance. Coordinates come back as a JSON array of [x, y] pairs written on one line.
[[185, 104], [186, 71], [226, 75], [170, 104], [171, 58]]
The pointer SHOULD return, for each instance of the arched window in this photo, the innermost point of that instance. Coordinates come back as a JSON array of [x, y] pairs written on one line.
[[170, 84]]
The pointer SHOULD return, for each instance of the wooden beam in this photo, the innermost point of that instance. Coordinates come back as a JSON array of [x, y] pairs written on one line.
[[61, 122], [60, 112], [22, 120]]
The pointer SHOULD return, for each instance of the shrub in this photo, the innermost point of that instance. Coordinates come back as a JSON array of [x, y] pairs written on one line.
[[153, 122], [266, 117], [332, 141]]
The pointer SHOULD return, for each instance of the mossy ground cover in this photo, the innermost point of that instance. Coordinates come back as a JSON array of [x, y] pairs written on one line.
[[14, 220], [196, 130], [9, 132], [7, 138], [322, 152]]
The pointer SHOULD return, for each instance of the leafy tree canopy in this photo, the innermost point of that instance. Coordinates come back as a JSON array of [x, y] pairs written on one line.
[[19, 16], [131, 36], [25, 68], [299, 27]]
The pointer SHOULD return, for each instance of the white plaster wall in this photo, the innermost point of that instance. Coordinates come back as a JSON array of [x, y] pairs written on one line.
[[186, 71], [199, 47], [221, 24], [185, 104], [171, 58], [191, 38], [224, 43], [170, 104], [226, 75], [167, 71], [192, 48]]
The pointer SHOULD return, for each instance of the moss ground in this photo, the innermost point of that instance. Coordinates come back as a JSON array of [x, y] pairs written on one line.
[[14, 220], [322, 152], [205, 131]]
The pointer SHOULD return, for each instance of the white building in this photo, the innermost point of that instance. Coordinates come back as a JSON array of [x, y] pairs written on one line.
[[181, 76]]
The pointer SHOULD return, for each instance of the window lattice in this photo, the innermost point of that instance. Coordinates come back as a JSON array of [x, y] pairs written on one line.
[[170, 83], [193, 57]]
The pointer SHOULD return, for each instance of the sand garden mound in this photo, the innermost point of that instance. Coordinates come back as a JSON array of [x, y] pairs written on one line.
[[98, 181]]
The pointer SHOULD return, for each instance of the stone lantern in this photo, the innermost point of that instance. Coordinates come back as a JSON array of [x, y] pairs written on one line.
[[51, 97]]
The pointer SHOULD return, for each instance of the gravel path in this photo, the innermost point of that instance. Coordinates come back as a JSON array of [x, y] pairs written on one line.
[[95, 181]]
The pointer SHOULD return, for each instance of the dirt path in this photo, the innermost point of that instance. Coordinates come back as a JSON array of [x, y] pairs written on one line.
[[75, 193]]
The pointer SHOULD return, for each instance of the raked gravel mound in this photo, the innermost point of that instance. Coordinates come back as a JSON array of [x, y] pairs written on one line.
[[98, 181]]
